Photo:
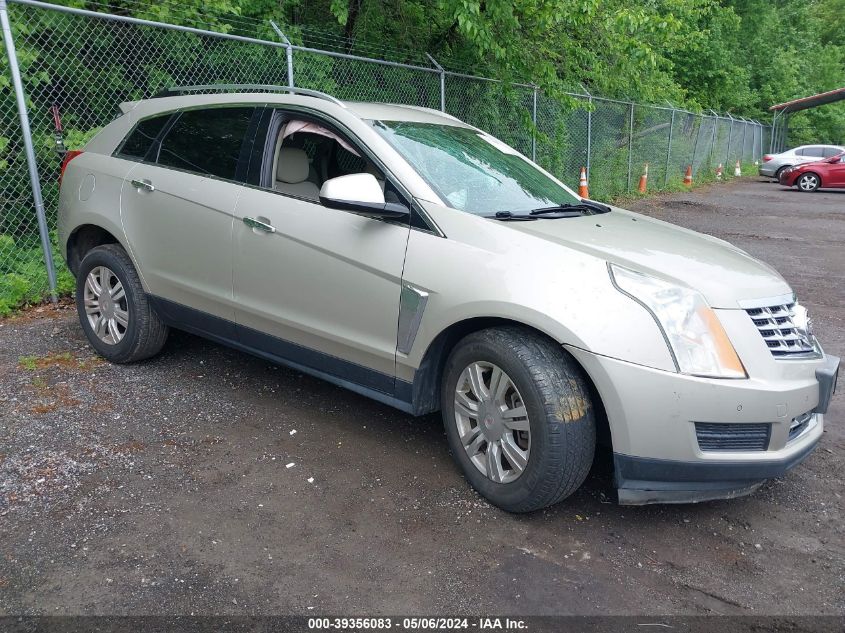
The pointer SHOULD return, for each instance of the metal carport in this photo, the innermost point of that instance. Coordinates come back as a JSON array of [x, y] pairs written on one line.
[[783, 110]]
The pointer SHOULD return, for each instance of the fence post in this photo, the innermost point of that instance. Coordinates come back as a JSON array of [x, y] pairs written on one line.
[[534, 131], [34, 178], [695, 145], [630, 143], [589, 129], [772, 134], [442, 82], [744, 131], [669, 150], [712, 152], [730, 135], [288, 51], [785, 137]]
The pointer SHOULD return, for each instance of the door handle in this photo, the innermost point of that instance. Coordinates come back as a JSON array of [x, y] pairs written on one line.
[[143, 184], [259, 225]]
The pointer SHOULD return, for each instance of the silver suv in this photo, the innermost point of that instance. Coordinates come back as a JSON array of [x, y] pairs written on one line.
[[415, 259]]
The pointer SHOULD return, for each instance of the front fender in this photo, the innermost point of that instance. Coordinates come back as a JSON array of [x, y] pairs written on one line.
[[565, 294]]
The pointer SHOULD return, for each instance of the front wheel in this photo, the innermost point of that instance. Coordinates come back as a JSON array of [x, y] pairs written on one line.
[[518, 418], [808, 182]]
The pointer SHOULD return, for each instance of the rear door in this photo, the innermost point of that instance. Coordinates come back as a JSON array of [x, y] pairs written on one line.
[[812, 153], [177, 208]]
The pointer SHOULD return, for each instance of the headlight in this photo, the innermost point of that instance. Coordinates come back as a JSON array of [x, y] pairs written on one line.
[[694, 334]]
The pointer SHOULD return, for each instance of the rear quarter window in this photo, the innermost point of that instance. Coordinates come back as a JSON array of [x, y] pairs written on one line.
[[207, 142], [139, 141]]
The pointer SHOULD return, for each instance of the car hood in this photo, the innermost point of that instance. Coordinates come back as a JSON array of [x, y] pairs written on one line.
[[723, 273], [812, 164]]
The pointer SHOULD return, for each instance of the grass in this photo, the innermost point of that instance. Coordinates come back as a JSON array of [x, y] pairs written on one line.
[[676, 184], [23, 276], [64, 360]]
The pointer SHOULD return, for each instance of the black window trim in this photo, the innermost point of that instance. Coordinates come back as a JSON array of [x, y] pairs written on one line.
[[321, 118], [261, 109], [118, 152], [241, 168]]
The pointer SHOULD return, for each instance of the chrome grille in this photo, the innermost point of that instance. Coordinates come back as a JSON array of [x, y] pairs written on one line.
[[713, 436], [784, 329]]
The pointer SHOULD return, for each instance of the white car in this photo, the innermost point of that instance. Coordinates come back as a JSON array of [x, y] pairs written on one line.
[[774, 164], [405, 255]]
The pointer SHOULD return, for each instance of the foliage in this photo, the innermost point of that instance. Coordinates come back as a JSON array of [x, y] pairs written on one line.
[[22, 278], [741, 56]]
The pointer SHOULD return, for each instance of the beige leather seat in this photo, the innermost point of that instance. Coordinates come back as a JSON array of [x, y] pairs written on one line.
[[292, 174]]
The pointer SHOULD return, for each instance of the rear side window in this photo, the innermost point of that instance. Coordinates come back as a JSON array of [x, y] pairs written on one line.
[[138, 143], [206, 142], [815, 151]]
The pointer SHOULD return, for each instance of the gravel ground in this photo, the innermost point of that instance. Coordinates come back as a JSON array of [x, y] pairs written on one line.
[[207, 481]]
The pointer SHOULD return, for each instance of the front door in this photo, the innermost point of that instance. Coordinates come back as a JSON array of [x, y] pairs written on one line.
[[177, 208], [319, 287], [836, 174]]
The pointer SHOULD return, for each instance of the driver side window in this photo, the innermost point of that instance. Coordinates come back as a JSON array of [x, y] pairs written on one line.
[[305, 154]]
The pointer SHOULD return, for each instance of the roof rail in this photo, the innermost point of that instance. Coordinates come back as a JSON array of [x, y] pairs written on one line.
[[265, 87]]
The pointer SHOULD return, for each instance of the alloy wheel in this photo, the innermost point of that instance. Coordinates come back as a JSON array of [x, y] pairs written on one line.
[[492, 422], [808, 182], [105, 305]]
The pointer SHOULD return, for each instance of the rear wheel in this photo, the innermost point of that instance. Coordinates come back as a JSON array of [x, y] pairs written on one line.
[[114, 311], [808, 182], [780, 171], [518, 417]]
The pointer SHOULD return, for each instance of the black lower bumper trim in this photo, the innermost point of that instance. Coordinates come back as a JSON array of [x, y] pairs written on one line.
[[826, 375], [646, 480]]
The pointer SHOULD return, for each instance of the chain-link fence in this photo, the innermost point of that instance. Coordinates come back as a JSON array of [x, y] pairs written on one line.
[[85, 64]]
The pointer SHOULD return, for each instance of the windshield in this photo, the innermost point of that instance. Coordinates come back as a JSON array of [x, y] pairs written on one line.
[[473, 171]]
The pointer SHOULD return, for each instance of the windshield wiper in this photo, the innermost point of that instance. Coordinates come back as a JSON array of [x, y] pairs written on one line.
[[566, 210], [507, 216], [558, 212], [585, 207]]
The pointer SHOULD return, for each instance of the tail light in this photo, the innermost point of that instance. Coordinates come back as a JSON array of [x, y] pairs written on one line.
[[69, 156], [767, 158]]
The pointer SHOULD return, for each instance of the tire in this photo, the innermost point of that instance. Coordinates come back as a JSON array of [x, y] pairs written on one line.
[[560, 445], [808, 182], [134, 331], [780, 171]]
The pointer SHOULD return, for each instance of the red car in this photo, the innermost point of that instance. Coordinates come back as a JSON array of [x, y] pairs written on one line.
[[827, 173]]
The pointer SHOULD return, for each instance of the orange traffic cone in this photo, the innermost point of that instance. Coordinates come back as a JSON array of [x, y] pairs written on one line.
[[583, 190], [644, 179], [737, 169], [688, 177], [719, 172]]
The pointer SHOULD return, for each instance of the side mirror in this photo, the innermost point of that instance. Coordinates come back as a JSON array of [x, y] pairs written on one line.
[[835, 159], [359, 193]]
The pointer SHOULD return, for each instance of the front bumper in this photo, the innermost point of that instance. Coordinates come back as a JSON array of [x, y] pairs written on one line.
[[653, 413], [787, 178]]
